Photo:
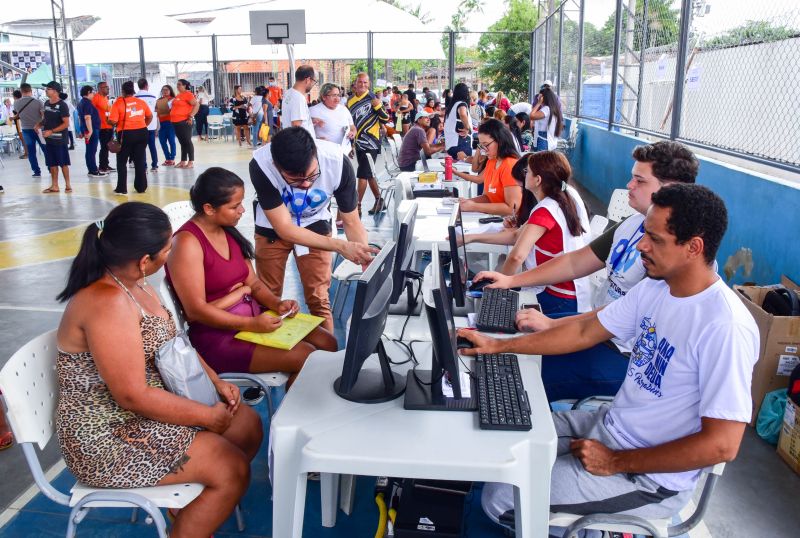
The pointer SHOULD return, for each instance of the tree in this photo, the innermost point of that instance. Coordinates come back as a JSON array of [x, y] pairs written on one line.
[[751, 32], [662, 28], [506, 56]]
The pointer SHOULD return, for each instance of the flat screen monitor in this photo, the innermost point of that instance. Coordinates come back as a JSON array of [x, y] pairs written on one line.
[[458, 257], [404, 255], [424, 388], [424, 159], [370, 308]]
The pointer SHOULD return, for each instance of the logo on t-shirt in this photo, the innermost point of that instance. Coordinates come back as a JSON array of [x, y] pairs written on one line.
[[653, 355], [299, 202]]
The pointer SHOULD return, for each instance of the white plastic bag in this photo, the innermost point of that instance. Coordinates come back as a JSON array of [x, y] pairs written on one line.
[[180, 368]]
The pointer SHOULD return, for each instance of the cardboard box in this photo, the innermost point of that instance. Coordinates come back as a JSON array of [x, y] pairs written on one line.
[[780, 342], [789, 440]]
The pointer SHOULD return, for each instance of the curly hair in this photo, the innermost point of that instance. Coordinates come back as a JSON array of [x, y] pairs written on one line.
[[695, 211], [672, 161]]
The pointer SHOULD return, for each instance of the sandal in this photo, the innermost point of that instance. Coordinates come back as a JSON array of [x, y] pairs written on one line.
[[68, 189], [50, 190], [6, 440]]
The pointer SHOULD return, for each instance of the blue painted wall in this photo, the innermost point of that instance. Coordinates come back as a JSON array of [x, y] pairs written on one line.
[[763, 214]]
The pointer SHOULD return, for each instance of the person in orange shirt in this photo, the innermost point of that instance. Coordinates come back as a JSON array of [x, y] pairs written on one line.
[[131, 116], [275, 97], [100, 102], [502, 195], [184, 108]]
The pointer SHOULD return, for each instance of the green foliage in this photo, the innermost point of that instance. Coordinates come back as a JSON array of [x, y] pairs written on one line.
[[752, 32], [506, 56], [662, 28]]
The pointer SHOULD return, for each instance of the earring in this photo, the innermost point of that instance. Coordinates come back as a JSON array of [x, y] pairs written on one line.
[[144, 280]]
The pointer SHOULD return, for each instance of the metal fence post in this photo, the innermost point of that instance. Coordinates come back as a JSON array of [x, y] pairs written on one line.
[[216, 91], [579, 81], [680, 67], [560, 47], [142, 69], [52, 57], [612, 109], [370, 59], [73, 71], [546, 65], [642, 48], [532, 67], [451, 61]]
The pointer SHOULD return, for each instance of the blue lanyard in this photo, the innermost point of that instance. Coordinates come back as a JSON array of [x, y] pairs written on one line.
[[292, 207], [618, 256]]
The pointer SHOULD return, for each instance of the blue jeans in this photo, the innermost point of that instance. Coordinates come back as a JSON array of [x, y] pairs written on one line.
[[151, 143], [91, 152], [599, 370], [30, 138], [166, 136], [257, 126], [556, 305]]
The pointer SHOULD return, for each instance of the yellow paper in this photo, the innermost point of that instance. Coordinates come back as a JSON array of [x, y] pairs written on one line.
[[288, 335]]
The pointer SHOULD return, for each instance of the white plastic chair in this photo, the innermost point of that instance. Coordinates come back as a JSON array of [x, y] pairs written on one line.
[[178, 213], [658, 528], [30, 390], [398, 140], [216, 127], [597, 225], [618, 206], [385, 186], [264, 380]]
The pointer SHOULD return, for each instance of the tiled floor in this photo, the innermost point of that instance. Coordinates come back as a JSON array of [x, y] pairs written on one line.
[[757, 495]]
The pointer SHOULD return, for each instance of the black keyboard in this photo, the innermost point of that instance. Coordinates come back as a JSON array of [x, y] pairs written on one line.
[[502, 400], [498, 313]]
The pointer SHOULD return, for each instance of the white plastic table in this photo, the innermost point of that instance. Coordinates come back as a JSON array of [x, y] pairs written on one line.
[[316, 430]]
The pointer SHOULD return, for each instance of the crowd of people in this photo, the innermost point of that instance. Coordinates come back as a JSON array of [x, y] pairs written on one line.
[[666, 335]]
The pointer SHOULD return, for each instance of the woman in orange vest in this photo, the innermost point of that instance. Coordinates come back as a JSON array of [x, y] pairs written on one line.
[[131, 116], [184, 108]]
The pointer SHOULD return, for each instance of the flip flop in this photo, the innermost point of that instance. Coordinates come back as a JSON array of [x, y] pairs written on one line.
[[6, 440], [68, 189], [50, 190]]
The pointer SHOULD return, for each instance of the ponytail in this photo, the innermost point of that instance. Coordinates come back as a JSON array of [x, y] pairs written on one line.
[[129, 232], [555, 171], [87, 267]]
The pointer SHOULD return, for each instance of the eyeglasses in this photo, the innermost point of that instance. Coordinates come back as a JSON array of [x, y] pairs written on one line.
[[296, 181], [486, 146]]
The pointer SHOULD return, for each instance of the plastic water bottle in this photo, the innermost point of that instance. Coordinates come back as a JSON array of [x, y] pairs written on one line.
[[448, 168]]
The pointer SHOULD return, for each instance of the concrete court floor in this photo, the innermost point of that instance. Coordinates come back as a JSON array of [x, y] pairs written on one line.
[[757, 496]]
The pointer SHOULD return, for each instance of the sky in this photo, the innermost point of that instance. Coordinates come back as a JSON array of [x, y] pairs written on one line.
[[724, 14]]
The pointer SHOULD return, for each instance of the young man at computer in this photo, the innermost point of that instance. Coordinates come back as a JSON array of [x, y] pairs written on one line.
[[685, 400], [601, 369], [295, 177]]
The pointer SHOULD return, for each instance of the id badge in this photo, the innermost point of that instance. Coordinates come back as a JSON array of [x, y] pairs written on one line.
[[300, 250]]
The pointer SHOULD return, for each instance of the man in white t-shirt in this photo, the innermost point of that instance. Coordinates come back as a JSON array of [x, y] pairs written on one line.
[[145, 95], [602, 368], [685, 401], [294, 112]]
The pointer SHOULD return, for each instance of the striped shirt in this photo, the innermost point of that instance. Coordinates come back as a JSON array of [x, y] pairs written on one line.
[[368, 121]]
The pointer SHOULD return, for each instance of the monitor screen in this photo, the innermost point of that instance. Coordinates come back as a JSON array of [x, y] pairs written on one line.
[[404, 254], [370, 308], [458, 257]]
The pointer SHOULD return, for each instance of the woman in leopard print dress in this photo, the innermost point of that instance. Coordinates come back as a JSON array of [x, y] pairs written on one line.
[[117, 425]]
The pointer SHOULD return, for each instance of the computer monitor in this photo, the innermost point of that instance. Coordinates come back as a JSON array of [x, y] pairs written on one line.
[[424, 387], [404, 254], [424, 159], [371, 306], [458, 260]]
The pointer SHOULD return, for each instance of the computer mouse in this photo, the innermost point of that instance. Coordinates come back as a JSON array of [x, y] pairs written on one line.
[[463, 343], [479, 285]]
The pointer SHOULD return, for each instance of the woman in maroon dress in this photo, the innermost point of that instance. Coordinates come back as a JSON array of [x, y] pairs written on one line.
[[211, 271]]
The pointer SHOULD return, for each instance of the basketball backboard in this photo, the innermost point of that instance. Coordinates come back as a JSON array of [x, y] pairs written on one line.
[[281, 27]]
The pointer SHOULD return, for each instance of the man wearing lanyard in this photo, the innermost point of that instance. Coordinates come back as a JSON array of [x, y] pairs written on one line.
[[602, 368], [295, 177]]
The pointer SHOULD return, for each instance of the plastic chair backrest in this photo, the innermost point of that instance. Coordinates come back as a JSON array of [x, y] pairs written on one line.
[[214, 111], [371, 165], [397, 139], [178, 213], [215, 120], [618, 207], [170, 302], [598, 225], [30, 389]]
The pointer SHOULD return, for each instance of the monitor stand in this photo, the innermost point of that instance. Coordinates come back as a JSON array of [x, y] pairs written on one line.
[[374, 386], [406, 305], [470, 307], [429, 397]]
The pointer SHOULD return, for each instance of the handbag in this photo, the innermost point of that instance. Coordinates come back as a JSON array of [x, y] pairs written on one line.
[[114, 145], [182, 372], [263, 132]]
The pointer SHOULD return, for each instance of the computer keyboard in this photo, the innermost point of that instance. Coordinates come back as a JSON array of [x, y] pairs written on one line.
[[498, 311], [502, 400]]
